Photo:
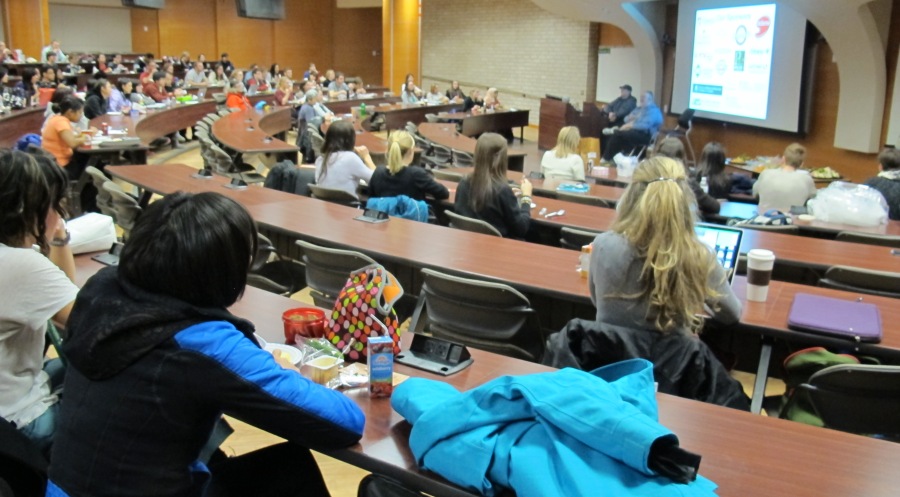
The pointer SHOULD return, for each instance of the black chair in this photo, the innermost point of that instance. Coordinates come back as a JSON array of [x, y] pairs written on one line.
[[856, 237], [441, 157], [273, 273], [574, 239], [333, 195], [481, 314], [854, 279], [463, 159], [328, 269], [471, 224], [857, 398]]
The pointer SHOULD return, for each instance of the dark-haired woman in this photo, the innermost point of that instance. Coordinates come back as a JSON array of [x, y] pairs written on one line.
[[36, 286], [60, 138], [342, 165], [29, 84], [120, 96], [97, 102], [155, 358], [486, 195], [712, 167]]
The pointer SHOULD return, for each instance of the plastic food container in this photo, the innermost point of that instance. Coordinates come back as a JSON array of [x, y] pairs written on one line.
[[322, 369]]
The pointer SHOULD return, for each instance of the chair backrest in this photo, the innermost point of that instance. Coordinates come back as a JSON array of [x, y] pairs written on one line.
[[481, 314], [328, 269], [856, 237], [857, 398], [104, 200], [580, 198], [411, 128], [463, 159], [445, 175], [219, 98], [272, 273], [441, 153], [432, 118], [219, 161], [333, 195], [884, 283], [208, 120], [316, 141], [789, 229], [471, 224], [127, 209], [685, 119], [423, 144], [573, 239]]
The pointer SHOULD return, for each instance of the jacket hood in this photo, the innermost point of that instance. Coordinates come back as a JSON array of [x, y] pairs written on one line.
[[114, 323]]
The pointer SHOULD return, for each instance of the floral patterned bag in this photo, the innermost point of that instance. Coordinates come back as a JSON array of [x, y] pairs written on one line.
[[364, 308]]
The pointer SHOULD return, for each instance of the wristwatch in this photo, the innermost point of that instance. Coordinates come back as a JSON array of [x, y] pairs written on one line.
[[61, 242]]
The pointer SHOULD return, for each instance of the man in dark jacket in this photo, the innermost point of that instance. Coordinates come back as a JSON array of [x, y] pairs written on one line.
[[888, 180]]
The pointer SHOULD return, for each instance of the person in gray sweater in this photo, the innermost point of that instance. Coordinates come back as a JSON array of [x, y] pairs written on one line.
[[650, 271], [888, 180]]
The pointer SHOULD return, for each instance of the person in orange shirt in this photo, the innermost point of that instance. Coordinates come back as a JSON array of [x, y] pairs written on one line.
[[60, 139]]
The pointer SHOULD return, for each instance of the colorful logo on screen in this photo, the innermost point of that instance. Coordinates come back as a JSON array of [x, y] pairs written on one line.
[[762, 26]]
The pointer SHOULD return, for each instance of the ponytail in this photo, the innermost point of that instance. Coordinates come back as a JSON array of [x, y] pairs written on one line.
[[399, 145]]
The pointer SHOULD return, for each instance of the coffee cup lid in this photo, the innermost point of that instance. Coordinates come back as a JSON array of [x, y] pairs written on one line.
[[761, 254]]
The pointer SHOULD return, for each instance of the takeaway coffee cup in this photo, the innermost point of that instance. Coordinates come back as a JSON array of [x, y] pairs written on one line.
[[759, 272]]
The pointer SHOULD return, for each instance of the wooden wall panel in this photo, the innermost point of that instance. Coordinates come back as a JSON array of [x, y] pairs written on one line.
[[145, 31], [611, 35], [401, 42], [305, 36], [359, 51], [188, 26], [27, 25], [247, 41]]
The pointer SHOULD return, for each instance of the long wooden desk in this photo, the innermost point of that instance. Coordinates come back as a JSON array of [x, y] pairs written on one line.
[[746, 211], [548, 187], [346, 106], [252, 131], [445, 134], [474, 124], [745, 455], [397, 115], [18, 123], [742, 453]]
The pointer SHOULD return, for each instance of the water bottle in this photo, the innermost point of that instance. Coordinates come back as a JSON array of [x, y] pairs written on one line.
[[584, 260], [362, 111], [704, 184]]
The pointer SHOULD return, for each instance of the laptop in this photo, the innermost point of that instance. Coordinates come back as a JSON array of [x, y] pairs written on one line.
[[851, 319], [725, 243]]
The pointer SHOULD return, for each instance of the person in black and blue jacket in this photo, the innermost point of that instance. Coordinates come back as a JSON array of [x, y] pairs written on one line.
[[155, 359]]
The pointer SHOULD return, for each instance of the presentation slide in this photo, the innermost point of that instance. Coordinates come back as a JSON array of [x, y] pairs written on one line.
[[740, 61], [732, 62]]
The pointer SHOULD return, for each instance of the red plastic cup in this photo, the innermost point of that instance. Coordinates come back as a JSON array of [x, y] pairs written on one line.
[[305, 322]]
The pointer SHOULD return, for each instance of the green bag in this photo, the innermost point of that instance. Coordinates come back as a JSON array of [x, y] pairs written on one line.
[[798, 367]]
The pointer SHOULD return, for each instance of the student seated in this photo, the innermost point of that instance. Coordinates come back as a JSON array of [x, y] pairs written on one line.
[[888, 180], [435, 97], [563, 161], [486, 195], [48, 77], [120, 96], [641, 125], [785, 186], [37, 286], [60, 138], [97, 100], [402, 178], [342, 165], [712, 167], [155, 359], [455, 94], [410, 94], [650, 270]]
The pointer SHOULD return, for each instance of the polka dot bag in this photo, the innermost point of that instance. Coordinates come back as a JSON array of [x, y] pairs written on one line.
[[364, 308]]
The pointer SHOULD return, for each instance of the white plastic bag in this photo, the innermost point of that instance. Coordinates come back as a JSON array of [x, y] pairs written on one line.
[[91, 232], [847, 203], [625, 164]]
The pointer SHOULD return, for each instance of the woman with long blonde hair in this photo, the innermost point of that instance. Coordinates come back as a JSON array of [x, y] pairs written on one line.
[[651, 271], [400, 177], [563, 161]]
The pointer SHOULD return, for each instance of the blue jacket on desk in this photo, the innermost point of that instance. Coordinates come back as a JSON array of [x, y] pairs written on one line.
[[565, 433]]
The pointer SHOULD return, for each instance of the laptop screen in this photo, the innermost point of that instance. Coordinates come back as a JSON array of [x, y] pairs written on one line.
[[725, 242]]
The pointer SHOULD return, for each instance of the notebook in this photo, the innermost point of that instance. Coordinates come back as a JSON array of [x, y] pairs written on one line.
[[725, 242], [851, 319]]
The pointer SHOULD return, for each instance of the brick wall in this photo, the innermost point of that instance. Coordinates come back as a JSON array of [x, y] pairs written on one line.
[[513, 45]]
